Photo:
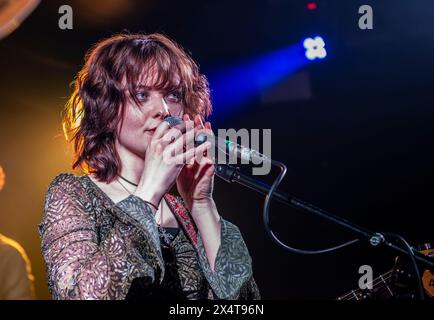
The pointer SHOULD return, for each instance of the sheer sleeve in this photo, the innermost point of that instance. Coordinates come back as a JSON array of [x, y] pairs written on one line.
[[232, 277], [79, 264]]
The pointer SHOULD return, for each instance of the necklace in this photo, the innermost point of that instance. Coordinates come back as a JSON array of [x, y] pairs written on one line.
[[165, 236], [128, 181]]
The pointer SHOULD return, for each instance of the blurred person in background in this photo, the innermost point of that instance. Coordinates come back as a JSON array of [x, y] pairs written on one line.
[[16, 279]]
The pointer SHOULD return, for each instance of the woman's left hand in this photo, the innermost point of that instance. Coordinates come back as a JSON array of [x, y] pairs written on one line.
[[195, 183]]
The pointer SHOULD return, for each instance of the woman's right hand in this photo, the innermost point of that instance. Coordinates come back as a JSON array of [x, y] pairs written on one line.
[[165, 157]]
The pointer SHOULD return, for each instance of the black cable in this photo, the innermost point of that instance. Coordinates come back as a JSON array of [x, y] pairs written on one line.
[[266, 218], [413, 262]]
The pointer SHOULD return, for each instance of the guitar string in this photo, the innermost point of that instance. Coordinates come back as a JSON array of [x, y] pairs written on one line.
[[377, 281], [354, 294], [381, 279], [358, 294]]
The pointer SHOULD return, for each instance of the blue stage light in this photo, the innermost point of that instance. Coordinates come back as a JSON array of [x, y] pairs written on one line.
[[234, 85], [315, 48]]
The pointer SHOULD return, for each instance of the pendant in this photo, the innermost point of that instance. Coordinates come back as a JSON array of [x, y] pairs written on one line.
[[164, 235]]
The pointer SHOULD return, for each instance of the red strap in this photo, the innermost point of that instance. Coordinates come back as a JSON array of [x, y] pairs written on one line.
[[183, 216]]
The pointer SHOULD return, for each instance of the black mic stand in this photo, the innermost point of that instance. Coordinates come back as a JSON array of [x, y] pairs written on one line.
[[232, 174]]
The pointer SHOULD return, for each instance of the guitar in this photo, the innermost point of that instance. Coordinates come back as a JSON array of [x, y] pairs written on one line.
[[397, 282]]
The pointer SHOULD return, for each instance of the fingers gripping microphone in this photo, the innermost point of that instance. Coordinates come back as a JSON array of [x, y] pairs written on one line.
[[223, 145], [173, 121], [233, 149]]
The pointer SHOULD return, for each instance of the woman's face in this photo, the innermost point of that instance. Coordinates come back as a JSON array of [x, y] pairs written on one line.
[[140, 121]]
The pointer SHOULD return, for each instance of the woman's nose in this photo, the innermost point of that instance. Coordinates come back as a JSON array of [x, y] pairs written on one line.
[[161, 108]]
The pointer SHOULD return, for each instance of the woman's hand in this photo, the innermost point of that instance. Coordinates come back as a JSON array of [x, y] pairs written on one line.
[[196, 180], [195, 184], [165, 158]]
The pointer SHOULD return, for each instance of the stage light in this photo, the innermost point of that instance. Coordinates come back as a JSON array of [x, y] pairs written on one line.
[[315, 48], [312, 6], [13, 13], [234, 85]]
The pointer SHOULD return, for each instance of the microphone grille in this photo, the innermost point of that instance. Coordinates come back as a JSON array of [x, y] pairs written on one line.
[[173, 120]]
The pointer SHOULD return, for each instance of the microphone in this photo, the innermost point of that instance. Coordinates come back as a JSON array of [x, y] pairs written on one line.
[[226, 146], [173, 120], [233, 149]]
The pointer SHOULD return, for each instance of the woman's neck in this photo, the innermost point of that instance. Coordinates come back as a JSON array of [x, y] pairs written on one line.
[[132, 164]]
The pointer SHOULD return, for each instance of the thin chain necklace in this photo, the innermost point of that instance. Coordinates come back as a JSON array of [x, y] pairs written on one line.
[[164, 235], [128, 181]]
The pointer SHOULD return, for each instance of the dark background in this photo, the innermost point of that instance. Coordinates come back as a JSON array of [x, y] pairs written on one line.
[[360, 146]]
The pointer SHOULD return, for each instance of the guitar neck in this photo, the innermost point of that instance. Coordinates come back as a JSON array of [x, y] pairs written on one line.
[[381, 288]]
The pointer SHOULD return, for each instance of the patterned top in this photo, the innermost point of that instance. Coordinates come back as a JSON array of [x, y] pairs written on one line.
[[97, 249]]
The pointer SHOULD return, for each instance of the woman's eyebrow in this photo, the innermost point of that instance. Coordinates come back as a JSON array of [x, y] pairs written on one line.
[[142, 86], [167, 89]]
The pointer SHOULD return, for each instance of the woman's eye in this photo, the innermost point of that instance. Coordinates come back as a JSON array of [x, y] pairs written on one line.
[[141, 96], [174, 97]]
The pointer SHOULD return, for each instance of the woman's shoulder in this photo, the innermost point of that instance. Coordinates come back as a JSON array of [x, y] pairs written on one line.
[[67, 183], [65, 176], [64, 191]]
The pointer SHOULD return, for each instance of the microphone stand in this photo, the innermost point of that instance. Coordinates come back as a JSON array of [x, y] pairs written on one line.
[[232, 174]]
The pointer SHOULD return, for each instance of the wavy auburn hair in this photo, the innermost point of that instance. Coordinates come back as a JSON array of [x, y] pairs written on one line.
[[97, 104]]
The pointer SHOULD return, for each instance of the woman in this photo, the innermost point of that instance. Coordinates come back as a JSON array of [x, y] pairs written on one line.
[[115, 232]]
